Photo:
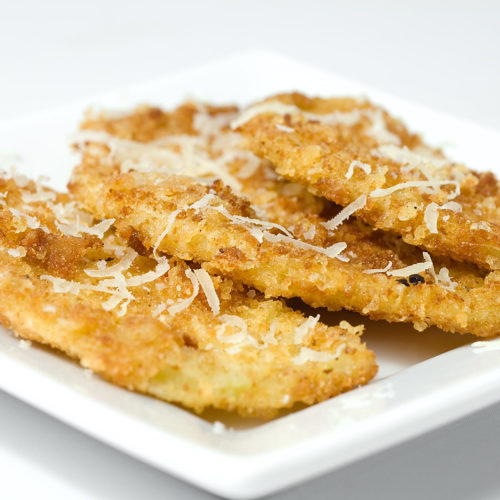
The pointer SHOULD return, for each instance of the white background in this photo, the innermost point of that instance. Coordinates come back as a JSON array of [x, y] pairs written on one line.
[[442, 54]]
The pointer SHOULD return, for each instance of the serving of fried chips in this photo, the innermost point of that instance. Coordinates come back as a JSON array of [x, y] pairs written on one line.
[[165, 267]]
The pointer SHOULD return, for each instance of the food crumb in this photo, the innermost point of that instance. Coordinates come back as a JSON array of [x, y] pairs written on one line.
[[218, 427], [24, 344]]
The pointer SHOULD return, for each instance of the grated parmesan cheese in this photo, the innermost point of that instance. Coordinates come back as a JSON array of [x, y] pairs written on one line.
[[249, 167], [367, 169], [475, 226], [270, 336], [170, 222], [378, 128], [284, 128], [348, 118], [413, 269], [218, 428], [185, 303], [208, 288], [310, 233], [17, 252], [377, 193], [161, 268], [345, 213], [24, 344], [206, 124], [75, 229], [331, 251], [202, 203], [115, 283], [302, 330], [39, 195], [431, 213], [310, 355], [21, 180], [425, 162], [443, 277], [31, 222], [158, 310], [240, 338], [115, 269], [183, 154], [374, 271], [246, 221], [191, 147]]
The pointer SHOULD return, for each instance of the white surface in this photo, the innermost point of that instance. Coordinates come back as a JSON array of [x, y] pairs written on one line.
[[48, 62]]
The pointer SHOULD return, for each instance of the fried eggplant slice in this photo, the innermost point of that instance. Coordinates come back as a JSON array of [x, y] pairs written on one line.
[[127, 174], [350, 151], [156, 325]]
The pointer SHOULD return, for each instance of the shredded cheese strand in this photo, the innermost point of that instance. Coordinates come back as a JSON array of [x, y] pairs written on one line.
[[302, 330], [310, 355], [431, 214], [185, 303], [331, 251], [348, 118], [413, 269], [367, 169], [377, 193], [374, 271], [345, 213], [208, 288]]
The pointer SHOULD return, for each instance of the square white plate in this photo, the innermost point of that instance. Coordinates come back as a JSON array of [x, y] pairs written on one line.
[[425, 380]]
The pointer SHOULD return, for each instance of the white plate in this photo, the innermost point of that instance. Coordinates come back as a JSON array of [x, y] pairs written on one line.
[[425, 380]]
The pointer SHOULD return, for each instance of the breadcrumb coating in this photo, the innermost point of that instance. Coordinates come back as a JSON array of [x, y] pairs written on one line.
[[146, 201], [246, 358], [318, 141]]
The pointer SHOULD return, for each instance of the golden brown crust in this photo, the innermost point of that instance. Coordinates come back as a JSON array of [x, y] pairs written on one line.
[[145, 200], [183, 357], [319, 156]]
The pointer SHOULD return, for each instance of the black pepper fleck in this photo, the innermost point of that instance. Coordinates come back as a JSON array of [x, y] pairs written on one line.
[[415, 279], [403, 281]]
